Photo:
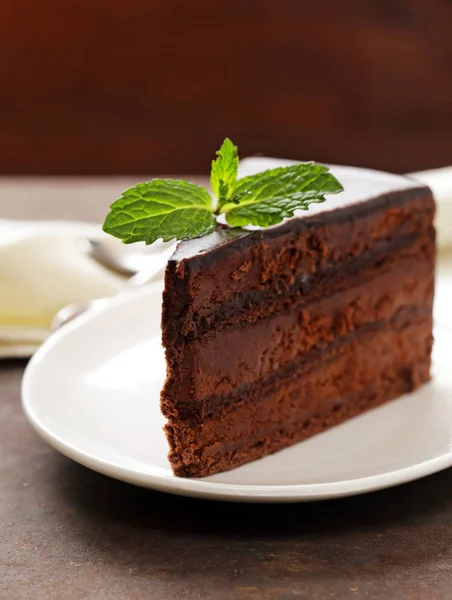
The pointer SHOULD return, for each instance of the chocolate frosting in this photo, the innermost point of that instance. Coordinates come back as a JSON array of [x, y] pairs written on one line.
[[360, 187]]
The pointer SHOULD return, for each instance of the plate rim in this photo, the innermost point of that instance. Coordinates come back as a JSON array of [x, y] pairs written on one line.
[[201, 488]]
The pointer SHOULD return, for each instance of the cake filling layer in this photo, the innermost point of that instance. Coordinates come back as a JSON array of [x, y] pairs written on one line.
[[267, 345], [363, 368], [300, 247], [326, 360], [396, 281], [252, 305]]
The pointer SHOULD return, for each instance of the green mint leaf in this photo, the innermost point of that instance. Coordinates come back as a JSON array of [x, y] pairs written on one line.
[[223, 174], [267, 198], [161, 208]]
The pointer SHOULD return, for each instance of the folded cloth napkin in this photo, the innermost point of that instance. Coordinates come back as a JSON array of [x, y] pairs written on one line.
[[41, 271]]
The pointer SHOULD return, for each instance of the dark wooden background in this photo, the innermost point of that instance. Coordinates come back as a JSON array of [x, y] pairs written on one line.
[[153, 86]]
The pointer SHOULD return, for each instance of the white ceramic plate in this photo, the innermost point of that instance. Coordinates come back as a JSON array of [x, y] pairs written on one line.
[[92, 392]]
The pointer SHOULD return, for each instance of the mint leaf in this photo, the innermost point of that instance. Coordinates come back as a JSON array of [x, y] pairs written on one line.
[[161, 208], [223, 174], [267, 198], [167, 209]]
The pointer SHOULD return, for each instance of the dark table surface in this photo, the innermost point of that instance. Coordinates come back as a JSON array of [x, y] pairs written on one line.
[[67, 532]]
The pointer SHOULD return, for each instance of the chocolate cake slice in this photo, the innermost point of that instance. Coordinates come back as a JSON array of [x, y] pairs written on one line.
[[274, 335]]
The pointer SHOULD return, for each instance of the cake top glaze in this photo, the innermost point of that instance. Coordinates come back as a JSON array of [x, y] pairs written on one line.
[[360, 186]]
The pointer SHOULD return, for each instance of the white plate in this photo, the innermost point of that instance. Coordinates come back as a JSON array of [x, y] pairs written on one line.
[[92, 392]]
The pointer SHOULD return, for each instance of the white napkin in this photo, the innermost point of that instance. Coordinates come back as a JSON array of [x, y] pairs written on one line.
[[41, 271]]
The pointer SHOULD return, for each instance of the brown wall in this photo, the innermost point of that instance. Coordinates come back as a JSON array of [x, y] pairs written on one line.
[[147, 86]]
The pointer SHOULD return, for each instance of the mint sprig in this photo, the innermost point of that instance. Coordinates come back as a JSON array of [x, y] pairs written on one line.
[[223, 175], [271, 196], [168, 208]]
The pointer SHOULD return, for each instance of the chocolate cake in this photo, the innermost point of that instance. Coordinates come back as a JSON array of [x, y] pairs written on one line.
[[274, 335]]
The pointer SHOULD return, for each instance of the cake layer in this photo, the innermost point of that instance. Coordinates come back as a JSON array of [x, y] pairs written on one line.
[[328, 358], [253, 352], [241, 273], [364, 371], [216, 362], [250, 306]]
